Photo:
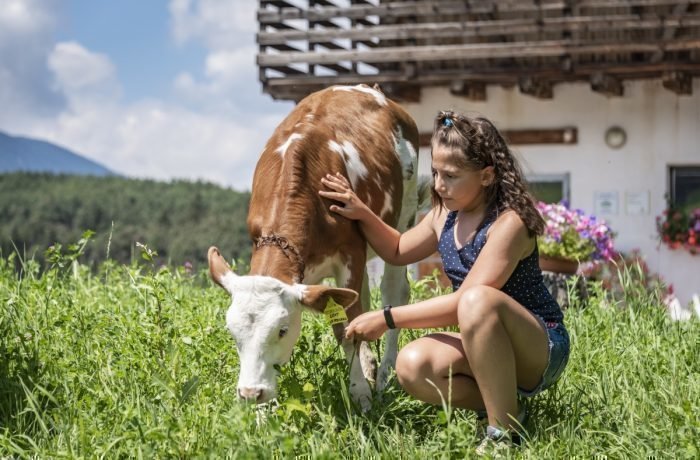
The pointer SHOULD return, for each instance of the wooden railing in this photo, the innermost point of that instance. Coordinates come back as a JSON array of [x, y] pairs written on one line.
[[308, 44]]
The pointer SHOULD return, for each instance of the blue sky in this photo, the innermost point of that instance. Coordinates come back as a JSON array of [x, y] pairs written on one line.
[[136, 35], [161, 89]]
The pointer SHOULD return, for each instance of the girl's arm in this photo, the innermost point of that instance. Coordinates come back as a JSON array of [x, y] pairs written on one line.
[[389, 244], [508, 242]]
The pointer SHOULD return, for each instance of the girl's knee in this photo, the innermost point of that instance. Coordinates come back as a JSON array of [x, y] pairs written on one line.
[[412, 363], [477, 308]]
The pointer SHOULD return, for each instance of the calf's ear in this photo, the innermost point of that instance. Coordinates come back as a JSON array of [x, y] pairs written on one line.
[[316, 296], [219, 270]]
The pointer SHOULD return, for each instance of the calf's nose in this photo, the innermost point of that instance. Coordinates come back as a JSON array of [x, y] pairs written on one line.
[[254, 394]]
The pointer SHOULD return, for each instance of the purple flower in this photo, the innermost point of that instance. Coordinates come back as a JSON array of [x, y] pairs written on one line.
[[591, 238]]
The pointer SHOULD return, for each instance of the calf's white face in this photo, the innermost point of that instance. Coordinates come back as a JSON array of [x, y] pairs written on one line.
[[265, 321]]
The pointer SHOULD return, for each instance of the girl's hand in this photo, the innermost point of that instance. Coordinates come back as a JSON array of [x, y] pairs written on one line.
[[368, 326], [353, 208]]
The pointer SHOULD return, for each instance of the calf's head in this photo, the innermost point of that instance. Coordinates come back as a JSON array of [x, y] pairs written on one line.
[[265, 321]]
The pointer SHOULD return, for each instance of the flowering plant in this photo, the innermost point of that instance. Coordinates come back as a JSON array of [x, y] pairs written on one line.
[[678, 228], [572, 234], [625, 276]]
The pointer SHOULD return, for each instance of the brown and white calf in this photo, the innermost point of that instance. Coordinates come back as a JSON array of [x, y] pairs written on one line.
[[297, 241]]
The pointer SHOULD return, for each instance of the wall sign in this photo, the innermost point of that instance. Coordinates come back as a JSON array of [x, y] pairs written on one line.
[[637, 203], [606, 203]]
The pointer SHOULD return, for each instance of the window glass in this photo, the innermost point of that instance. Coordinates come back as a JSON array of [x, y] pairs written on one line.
[[549, 188], [685, 187]]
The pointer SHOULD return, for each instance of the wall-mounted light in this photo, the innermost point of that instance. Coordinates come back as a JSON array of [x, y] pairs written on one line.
[[615, 137]]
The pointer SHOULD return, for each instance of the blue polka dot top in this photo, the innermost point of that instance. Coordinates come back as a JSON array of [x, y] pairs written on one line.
[[525, 285]]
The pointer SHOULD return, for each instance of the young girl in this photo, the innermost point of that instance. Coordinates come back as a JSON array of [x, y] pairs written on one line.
[[484, 223]]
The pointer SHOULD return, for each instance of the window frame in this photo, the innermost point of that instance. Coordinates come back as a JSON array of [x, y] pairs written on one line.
[[564, 178], [672, 179]]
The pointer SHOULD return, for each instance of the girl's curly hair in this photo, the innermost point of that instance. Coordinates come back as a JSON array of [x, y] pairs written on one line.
[[482, 145]]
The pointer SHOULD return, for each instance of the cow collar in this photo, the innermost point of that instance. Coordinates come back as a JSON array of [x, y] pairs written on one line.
[[287, 248]]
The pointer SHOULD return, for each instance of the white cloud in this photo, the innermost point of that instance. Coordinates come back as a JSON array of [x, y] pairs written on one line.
[[230, 65], [24, 17], [68, 94], [219, 24], [230, 84], [159, 141], [84, 77], [26, 28]]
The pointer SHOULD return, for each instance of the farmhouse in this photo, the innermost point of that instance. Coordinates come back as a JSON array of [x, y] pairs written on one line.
[[601, 99]]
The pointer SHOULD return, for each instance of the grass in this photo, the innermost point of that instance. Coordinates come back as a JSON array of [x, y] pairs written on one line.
[[129, 361]]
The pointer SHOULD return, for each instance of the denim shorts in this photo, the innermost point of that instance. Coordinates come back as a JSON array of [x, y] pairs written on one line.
[[559, 348]]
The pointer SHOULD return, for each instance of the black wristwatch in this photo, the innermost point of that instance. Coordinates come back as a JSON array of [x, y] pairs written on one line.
[[388, 318]]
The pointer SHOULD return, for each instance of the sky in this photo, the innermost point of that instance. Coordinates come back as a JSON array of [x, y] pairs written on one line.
[[160, 89]]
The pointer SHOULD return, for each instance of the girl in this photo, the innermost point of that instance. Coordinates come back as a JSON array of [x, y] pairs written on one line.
[[484, 224]]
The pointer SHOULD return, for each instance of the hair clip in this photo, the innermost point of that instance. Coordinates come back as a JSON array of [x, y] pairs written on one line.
[[447, 122]]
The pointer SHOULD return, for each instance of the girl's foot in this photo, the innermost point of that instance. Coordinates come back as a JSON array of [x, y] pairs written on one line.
[[498, 440]]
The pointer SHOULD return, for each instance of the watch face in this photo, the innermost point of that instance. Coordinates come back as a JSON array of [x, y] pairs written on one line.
[[615, 137]]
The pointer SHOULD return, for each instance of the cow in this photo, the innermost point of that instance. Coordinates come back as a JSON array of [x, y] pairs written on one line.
[[298, 242]]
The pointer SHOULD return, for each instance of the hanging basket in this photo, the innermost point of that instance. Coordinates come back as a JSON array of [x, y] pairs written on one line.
[[558, 265]]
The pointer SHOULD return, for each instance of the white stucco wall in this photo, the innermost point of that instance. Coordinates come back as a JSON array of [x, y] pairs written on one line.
[[662, 129]]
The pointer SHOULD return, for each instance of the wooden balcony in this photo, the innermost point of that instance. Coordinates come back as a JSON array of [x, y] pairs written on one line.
[[305, 45]]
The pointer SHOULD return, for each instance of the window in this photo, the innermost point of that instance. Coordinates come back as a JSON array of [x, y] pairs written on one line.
[[685, 187], [550, 188]]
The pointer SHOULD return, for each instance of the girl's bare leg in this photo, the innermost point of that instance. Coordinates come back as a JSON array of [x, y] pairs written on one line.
[[506, 346], [435, 358], [501, 346]]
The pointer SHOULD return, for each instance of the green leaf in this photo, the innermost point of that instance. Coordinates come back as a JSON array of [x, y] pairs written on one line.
[[188, 389]]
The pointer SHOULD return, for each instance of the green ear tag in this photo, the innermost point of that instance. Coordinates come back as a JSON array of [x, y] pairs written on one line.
[[335, 313]]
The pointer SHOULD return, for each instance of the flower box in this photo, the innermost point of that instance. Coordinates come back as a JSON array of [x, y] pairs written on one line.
[[680, 229], [572, 235], [558, 265]]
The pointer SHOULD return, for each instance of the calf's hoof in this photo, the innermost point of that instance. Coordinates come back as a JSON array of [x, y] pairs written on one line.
[[368, 362]]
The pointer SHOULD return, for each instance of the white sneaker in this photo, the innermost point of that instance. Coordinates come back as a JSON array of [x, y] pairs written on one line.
[[498, 441]]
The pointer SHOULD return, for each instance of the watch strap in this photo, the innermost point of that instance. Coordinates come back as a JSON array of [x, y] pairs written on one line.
[[388, 317]]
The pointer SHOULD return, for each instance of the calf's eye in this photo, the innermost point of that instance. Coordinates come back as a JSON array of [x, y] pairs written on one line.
[[283, 332]]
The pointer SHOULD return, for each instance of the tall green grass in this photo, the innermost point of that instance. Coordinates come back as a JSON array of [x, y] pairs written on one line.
[[134, 361]]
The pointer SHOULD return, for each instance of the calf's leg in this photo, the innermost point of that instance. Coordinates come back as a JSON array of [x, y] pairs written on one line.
[[395, 291], [358, 354]]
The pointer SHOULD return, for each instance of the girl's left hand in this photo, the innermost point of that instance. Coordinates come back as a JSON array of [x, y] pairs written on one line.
[[353, 208], [368, 326]]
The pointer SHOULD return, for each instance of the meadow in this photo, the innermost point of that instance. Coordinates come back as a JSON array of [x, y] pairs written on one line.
[[135, 361]]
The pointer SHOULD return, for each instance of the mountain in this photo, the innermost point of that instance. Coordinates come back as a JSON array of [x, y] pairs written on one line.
[[25, 154]]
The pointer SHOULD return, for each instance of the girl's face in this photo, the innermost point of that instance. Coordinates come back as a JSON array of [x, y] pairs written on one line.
[[460, 188]]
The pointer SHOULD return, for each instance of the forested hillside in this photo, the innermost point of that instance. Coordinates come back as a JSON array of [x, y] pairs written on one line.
[[180, 220]]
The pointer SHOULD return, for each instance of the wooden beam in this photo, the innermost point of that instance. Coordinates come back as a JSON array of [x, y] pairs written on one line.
[[277, 3], [679, 82], [567, 135], [539, 88], [429, 8], [284, 47], [670, 31], [286, 70], [606, 84], [481, 29], [475, 51], [476, 91], [499, 75]]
